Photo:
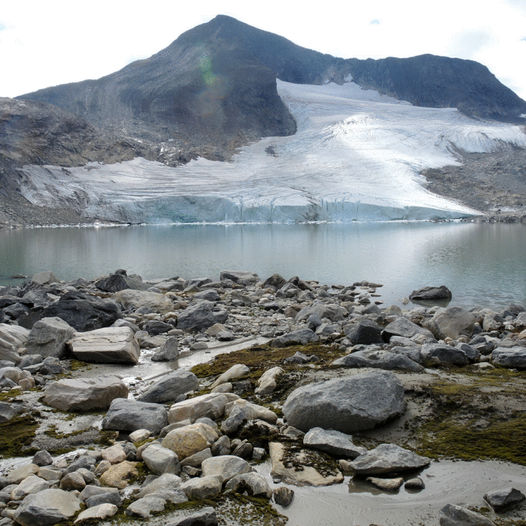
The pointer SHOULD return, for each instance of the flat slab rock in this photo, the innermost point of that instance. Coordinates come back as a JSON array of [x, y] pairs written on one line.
[[388, 458], [108, 345], [297, 466], [452, 515], [332, 442], [357, 403], [379, 359], [47, 507], [85, 394], [130, 415]]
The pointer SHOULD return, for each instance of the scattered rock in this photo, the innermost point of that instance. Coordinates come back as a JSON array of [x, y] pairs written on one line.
[[48, 337], [96, 513], [47, 507], [407, 329], [236, 371], [160, 460], [451, 515], [333, 442], [299, 337], [168, 352], [209, 405], [379, 359], [145, 506], [253, 484], [283, 496], [415, 483], [451, 322], [130, 415], [190, 439], [170, 387], [118, 475], [505, 498], [386, 484], [200, 316], [512, 357], [267, 382], [206, 487], [152, 301], [431, 293], [225, 467]]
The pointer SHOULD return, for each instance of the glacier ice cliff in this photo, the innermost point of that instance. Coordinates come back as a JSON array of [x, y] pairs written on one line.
[[357, 155]]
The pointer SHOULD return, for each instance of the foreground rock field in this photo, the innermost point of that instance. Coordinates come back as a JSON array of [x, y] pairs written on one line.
[[200, 402]]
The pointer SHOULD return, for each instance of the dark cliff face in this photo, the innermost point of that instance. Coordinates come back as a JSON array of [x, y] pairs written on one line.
[[440, 82]]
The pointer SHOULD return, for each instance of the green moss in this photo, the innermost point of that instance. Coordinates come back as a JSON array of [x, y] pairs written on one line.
[[9, 396], [16, 436], [249, 511]]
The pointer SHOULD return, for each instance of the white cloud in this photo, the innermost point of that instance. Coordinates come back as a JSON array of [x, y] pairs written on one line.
[[57, 41]]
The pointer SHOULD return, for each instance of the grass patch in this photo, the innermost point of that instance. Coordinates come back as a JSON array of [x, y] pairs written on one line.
[[16, 436]]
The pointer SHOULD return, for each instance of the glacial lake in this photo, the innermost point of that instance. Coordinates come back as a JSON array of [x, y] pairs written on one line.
[[481, 263]]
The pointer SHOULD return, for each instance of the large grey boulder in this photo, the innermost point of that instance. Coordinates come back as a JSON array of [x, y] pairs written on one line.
[[12, 338], [299, 337], [201, 315], [388, 458], [406, 328], [512, 357], [171, 387], [364, 332], [85, 394], [130, 415], [503, 498], [333, 442], [451, 323], [48, 337], [203, 517], [360, 402], [47, 507], [242, 278], [379, 359], [134, 299], [209, 405], [442, 354], [451, 515], [83, 311], [440, 293], [108, 345]]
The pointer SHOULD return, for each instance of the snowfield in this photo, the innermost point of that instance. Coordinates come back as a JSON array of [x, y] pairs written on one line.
[[356, 155]]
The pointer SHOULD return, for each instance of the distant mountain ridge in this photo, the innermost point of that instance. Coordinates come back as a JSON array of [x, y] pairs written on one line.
[[214, 88]]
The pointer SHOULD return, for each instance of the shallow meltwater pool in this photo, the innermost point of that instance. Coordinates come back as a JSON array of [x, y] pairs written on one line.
[[360, 504]]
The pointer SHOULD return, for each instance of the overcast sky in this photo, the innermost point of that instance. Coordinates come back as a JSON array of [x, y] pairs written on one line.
[[49, 42]]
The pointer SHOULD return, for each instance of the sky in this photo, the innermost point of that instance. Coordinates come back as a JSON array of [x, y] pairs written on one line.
[[45, 43]]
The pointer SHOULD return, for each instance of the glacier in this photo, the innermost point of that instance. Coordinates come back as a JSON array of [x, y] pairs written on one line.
[[357, 156]]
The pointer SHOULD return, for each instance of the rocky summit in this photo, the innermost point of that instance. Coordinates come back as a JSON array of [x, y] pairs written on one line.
[[306, 393]]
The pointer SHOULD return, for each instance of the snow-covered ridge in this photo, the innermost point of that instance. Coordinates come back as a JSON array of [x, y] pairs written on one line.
[[356, 156]]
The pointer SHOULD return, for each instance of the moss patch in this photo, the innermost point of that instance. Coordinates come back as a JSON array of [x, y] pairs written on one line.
[[9, 396], [16, 436], [250, 511]]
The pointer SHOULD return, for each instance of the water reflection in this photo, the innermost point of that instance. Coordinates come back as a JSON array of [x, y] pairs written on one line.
[[477, 262]]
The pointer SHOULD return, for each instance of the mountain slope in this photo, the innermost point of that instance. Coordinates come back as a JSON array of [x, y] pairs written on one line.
[[214, 88]]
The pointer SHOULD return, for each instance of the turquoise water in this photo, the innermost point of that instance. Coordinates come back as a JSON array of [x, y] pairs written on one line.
[[481, 264]]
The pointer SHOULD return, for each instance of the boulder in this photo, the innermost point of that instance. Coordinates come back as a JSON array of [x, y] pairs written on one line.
[[365, 332], [504, 498], [431, 294], [268, 381], [379, 359], [299, 337], [12, 338], [386, 484], [9, 411], [202, 517], [112, 283], [48, 337], [97, 513], [251, 411], [190, 439], [236, 371], [202, 488], [44, 277], [130, 415], [200, 316], [283, 496], [295, 466], [210, 405], [512, 357], [85, 394], [442, 354], [406, 328], [135, 299], [451, 323], [84, 312], [31, 484], [168, 352], [145, 506], [360, 402], [451, 515], [108, 345], [330, 311], [333, 442], [242, 278], [171, 387], [253, 484], [388, 458], [276, 281], [225, 467], [118, 475], [47, 507], [159, 459]]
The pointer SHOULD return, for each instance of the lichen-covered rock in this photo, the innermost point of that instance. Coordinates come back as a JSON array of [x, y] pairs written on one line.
[[360, 402], [190, 439]]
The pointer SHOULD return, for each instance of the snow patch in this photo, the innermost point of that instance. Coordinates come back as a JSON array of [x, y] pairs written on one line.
[[356, 155]]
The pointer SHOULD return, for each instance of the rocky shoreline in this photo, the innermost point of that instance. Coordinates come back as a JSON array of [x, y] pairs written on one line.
[[200, 402]]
